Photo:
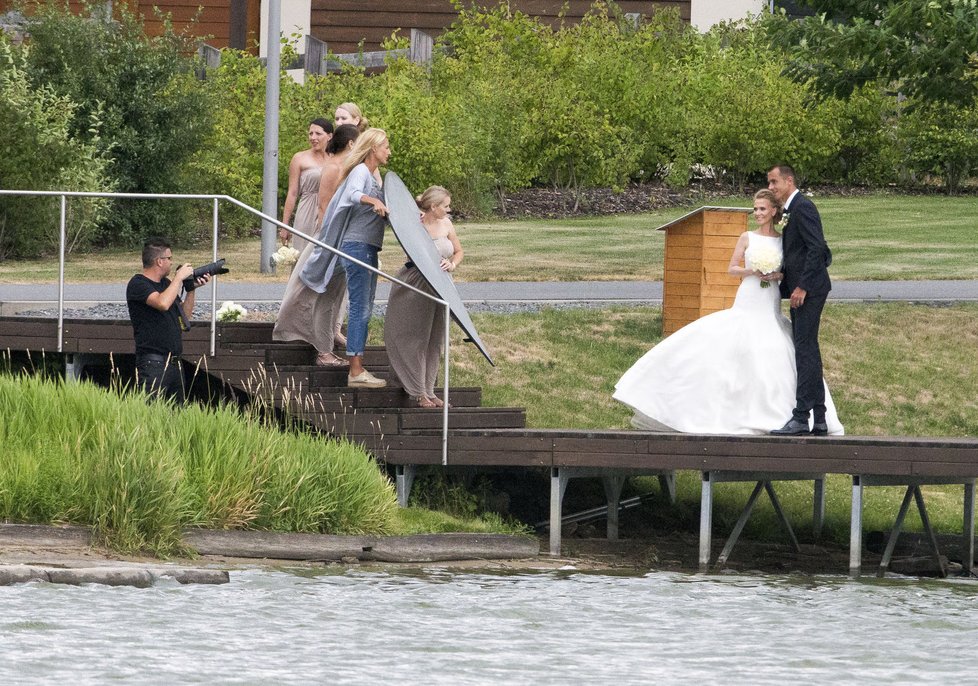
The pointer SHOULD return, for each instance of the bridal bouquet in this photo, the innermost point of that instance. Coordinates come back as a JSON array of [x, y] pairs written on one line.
[[764, 259], [230, 312], [285, 256]]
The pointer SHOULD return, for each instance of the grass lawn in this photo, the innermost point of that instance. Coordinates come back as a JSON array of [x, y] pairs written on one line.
[[894, 369], [872, 237]]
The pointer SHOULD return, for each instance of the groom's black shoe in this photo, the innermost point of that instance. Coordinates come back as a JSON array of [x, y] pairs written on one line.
[[820, 429], [794, 427]]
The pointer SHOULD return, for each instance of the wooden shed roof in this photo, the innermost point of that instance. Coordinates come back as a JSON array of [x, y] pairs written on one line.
[[703, 209]]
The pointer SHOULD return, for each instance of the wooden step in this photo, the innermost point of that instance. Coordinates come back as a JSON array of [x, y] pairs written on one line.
[[293, 353], [324, 378], [286, 354], [338, 399], [489, 447], [413, 419], [397, 420], [245, 332]]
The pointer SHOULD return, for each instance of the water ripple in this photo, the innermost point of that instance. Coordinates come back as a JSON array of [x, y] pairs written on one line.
[[436, 626]]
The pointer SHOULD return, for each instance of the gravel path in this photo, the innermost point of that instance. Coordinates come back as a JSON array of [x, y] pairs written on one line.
[[267, 311]]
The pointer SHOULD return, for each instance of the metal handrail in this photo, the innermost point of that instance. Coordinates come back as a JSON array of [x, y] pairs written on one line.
[[64, 195]]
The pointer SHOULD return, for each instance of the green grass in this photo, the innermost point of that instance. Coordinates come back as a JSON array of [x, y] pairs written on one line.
[[140, 472], [894, 369], [873, 237]]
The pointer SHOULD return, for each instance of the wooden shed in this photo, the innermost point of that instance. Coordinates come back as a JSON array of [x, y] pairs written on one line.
[[697, 253]]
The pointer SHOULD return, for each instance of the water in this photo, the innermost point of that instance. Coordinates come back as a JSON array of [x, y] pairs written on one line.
[[441, 627]]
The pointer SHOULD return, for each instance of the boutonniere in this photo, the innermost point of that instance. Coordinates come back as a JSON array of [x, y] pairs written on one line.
[[783, 223]]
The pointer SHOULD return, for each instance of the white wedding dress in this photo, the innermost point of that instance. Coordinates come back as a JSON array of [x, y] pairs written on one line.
[[730, 372]]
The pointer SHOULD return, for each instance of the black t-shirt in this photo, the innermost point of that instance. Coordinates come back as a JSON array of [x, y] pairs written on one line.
[[155, 331]]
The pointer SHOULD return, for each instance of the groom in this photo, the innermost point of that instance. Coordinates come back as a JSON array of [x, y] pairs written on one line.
[[806, 284]]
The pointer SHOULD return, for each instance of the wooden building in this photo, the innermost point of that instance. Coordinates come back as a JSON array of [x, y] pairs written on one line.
[[698, 249], [221, 23], [342, 24], [345, 25]]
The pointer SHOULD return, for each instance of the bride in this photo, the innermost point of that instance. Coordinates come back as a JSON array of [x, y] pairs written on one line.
[[733, 371]]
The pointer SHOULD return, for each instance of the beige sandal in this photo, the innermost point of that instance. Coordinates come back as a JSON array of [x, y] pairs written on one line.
[[425, 403], [330, 360]]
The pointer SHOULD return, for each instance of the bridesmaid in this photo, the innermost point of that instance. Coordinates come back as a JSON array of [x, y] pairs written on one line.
[[354, 223], [349, 113], [307, 315], [305, 169], [414, 328]]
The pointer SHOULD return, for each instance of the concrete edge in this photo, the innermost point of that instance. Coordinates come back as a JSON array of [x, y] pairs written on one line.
[[258, 545], [326, 547], [135, 576]]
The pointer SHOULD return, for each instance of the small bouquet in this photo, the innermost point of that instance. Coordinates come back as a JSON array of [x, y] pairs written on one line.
[[230, 312], [765, 259], [285, 256]]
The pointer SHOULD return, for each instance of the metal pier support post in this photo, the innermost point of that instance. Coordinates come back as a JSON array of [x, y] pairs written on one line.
[[925, 521], [558, 486], [969, 528], [818, 508], [856, 528], [73, 367], [404, 478], [75, 364], [738, 527], [667, 484], [706, 521], [895, 532], [612, 491]]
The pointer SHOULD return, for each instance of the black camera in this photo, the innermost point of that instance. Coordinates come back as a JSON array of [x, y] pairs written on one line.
[[190, 283]]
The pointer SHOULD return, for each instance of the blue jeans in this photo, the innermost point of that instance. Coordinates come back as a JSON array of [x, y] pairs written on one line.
[[361, 285]]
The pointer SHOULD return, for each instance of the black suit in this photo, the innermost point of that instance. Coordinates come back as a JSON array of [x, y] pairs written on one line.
[[806, 258]]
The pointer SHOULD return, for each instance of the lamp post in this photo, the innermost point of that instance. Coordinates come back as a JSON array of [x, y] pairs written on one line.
[[269, 202]]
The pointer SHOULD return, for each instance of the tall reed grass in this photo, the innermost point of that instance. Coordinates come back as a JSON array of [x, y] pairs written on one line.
[[140, 472]]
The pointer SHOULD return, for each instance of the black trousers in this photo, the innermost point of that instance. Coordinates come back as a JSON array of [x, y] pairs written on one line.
[[161, 376], [810, 393]]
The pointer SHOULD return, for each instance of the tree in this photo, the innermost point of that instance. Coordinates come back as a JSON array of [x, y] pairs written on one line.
[[40, 152], [142, 89], [925, 49]]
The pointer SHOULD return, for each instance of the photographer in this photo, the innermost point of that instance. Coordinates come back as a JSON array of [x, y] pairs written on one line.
[[158, 315]]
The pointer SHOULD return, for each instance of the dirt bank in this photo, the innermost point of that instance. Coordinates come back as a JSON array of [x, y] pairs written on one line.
[[69, 547]]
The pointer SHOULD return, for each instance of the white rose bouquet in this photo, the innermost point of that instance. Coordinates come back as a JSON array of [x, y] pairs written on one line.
[[285, 256], [765, 259], [230, 312]]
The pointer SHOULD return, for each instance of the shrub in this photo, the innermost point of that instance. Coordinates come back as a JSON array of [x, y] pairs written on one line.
[[42, 153], [941, 140], [490, 85], [142, 90], [230, 161], [869, 151], [742, 115]]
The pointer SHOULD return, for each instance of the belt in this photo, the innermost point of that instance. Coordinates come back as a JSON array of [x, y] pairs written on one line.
[[156, 357]]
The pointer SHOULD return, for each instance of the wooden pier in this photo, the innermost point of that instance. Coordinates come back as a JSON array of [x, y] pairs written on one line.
[[405, 438]]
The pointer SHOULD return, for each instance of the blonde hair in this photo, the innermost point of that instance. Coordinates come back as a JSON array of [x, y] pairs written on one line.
[[355, 112], [431, 197], [767, 194], [366, 142]]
